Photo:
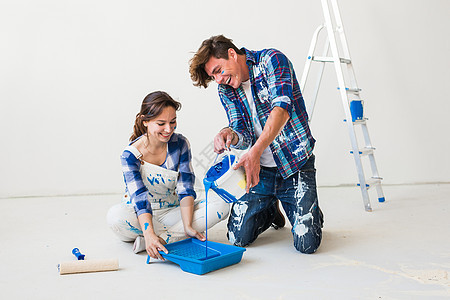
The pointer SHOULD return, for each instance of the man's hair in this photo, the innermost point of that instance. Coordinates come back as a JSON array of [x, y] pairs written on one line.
[[216, 46]]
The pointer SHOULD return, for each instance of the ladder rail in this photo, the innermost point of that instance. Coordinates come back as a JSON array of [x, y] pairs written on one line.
[[343, 92], [354, 84], [318, 82], [345, 48], [311, 51], [310, 58], [372, 161]]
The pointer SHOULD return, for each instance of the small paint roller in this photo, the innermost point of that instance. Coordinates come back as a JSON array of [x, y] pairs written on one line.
[[85, 266]]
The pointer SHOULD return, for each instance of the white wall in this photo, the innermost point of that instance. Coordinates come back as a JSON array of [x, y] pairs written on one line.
[[73, 74]]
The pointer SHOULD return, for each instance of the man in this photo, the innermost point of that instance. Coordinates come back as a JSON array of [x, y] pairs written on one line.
[[266, 114]]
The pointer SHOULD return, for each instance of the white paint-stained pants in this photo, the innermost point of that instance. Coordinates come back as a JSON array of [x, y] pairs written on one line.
[[167, 222]]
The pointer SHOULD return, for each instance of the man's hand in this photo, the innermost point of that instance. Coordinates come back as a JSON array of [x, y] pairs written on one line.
[[223, 140], [251, 163], [251, 160]]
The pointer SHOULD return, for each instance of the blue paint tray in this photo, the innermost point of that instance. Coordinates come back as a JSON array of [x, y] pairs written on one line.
[[193, 256]]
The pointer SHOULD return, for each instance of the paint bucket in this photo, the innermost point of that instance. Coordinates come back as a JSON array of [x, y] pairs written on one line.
[[226, 182], [356, 108]]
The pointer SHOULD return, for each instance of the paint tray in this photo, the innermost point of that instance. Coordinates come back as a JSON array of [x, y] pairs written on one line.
[[193, 256]]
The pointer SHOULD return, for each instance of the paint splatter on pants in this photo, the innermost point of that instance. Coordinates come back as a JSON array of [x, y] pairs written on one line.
[[254, 212], [167, 222]]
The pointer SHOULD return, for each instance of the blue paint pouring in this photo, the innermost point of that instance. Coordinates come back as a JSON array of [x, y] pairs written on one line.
[[207, 186], [214, 173]]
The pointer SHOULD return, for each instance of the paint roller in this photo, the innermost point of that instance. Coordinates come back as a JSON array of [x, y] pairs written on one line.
[[85, 266]]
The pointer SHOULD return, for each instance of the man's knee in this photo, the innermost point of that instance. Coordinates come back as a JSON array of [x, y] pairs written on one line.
[[307, 236], [308, 243], [239, 238]]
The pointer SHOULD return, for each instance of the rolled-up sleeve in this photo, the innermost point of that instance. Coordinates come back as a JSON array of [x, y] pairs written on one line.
[[186, 179], [280, 77], [134, 183]]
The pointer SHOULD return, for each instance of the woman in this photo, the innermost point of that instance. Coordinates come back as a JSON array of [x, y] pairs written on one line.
[[158, 206]]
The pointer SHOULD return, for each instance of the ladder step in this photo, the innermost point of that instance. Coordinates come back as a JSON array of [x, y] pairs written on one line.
[[373, 181], [359, 122], [351, 90], [365, 151], [330, 59]]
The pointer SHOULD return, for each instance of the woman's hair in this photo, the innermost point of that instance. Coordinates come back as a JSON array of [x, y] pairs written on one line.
[[216, 46], [152, 105]]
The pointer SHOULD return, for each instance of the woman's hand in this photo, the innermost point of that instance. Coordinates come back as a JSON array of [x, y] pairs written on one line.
[[191, 232], [187, 213], [154, 244]]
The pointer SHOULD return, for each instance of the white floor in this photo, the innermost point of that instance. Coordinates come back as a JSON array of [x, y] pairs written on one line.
[[401, 250]]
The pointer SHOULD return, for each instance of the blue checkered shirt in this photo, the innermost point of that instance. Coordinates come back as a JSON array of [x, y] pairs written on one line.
[[273, 83], [178, 159]]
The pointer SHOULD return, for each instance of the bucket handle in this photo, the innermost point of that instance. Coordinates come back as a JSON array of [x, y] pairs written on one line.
[[227, 153]]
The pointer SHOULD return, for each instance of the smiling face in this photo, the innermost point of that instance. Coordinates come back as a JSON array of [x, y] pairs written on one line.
[[227, 71], [162, 126]]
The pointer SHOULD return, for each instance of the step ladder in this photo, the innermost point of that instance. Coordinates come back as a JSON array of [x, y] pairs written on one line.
[[348, 90]]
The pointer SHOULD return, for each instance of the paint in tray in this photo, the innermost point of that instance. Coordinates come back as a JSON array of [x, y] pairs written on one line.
[[190, 255], [195, 256]]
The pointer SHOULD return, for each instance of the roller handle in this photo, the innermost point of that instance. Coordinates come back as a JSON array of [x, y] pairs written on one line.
[[78, 254]]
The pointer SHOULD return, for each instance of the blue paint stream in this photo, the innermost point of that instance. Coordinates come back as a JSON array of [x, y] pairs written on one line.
[[214, 173], [207, 185]]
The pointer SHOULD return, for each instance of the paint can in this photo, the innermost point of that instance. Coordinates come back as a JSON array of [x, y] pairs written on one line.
[[356, 108], [226, 182]]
